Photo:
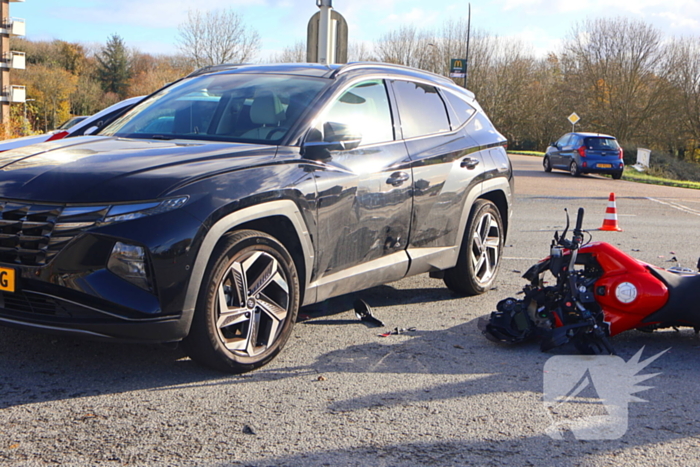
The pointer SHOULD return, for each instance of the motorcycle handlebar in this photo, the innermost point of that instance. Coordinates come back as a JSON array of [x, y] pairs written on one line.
[[579, 222]]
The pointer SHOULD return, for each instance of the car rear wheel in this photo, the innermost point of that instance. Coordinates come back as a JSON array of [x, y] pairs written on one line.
[[617, 175], [547, 164], [573, 168], [247, 305], [480, 253]]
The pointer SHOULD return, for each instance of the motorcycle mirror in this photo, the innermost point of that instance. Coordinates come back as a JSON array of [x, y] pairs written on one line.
[[566, 229]]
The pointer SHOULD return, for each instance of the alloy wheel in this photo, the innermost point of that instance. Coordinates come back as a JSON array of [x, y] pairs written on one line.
[[485, 250], [253, 303]]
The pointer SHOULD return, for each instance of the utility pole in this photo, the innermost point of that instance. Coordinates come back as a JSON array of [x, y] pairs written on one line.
[[466, 55]]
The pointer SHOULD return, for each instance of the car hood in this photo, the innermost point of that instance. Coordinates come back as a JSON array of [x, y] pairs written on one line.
[[96, 169]]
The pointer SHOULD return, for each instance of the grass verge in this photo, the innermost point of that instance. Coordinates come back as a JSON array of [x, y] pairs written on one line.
[[640, 177]]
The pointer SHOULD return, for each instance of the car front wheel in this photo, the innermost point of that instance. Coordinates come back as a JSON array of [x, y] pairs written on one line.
[[547, 164], [480, 254], [247, 306]]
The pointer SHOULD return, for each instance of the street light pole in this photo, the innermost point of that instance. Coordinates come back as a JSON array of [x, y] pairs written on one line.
[[466, 60]]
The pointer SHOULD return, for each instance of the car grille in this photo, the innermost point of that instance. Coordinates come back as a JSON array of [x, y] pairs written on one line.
[[29, 303], [32, 234]]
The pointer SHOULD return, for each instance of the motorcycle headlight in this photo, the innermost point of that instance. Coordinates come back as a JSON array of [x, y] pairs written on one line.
[[130, 263], [127, 212]]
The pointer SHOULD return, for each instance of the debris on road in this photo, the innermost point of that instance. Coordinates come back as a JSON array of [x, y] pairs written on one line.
[[396, 332], [364, 313]]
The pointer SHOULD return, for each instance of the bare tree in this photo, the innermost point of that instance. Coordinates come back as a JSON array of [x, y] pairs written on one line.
[[216, 37], [612, 66], [360, 52], [291, 54], [682, 62], [406, 46]]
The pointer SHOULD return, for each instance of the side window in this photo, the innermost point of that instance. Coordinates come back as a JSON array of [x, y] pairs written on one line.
[[563, 140], [365, 108], [461, 110], [421, 108]]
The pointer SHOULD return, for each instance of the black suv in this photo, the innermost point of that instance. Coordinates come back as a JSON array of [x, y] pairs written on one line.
[[219, 205]]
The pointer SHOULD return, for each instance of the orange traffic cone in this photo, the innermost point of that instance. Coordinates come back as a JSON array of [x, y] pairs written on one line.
[[610, 221]]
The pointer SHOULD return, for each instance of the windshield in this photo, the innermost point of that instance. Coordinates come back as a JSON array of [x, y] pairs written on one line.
[[224, 107]]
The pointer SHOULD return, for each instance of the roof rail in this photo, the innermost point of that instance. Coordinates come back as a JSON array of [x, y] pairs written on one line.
[[360, 65], [215, 68]]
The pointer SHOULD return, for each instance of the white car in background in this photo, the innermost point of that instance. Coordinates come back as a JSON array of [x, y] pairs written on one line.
[[87, 126]]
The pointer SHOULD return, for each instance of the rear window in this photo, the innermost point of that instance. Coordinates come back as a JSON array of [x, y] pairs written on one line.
[[601, 143]]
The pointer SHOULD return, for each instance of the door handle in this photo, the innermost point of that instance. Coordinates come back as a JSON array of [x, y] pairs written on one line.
[[469, 163], [397, 178]]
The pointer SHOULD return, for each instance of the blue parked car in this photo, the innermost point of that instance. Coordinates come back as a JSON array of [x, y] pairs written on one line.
[[585, 153]]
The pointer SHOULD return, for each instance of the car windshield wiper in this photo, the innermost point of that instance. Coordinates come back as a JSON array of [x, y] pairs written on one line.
[[163, 137]]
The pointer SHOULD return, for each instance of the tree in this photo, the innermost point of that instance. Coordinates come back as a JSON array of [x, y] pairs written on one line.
[[682, 61], [406, 46], [360, 52], [292, 54], [217, 37], [51, 87], [612, 67], [152, 73], [114, 67]]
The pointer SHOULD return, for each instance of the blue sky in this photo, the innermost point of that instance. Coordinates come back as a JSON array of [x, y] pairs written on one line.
[[151, 25]]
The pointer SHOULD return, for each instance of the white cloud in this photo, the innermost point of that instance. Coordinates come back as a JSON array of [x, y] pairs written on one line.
[[681, 22], [151, 13], [417, 16]]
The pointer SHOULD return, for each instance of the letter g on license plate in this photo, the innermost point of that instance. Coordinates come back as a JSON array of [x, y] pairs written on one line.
[[7, 279]]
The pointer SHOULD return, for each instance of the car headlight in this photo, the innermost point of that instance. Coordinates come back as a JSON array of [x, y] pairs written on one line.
[[130, 263], [127, 212]]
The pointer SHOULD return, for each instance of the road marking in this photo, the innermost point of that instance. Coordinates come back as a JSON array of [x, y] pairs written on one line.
[[680, 207]]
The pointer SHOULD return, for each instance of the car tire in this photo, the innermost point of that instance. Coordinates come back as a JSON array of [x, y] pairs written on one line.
[[247, 305], [547, 164], [573, 168], [480, 252], [617, 175]]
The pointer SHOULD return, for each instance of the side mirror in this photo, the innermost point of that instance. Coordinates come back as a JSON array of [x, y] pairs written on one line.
[[336, 137]]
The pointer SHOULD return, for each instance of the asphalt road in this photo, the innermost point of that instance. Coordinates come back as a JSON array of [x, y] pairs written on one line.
[[339, 395]]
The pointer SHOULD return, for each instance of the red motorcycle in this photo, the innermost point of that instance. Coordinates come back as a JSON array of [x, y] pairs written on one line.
[[599, 292]]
